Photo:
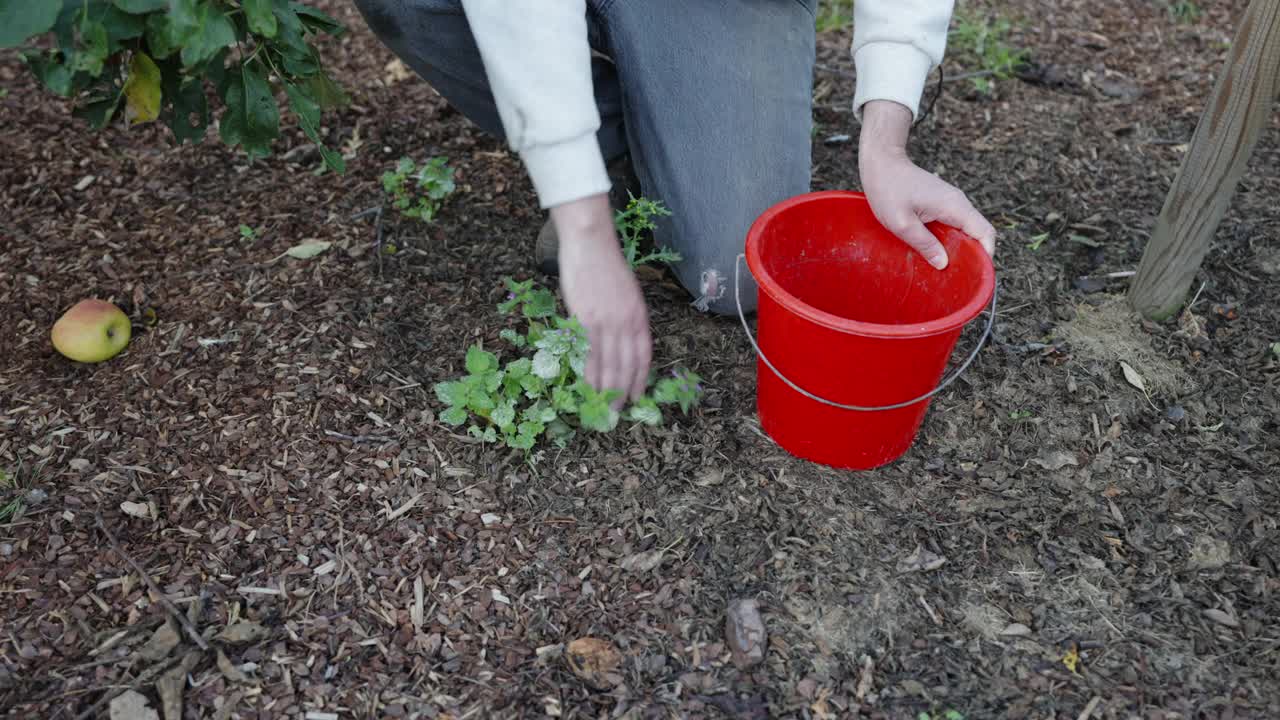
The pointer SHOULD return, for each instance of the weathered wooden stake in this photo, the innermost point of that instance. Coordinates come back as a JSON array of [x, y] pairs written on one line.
[[1238, 108]]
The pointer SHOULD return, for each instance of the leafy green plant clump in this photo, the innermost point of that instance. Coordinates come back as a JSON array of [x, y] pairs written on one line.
[[546, 392], [983, 42], [419, 192], [155, 57], [543, 391]]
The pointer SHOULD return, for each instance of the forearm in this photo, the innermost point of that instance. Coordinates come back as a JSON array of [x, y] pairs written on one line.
[[895, 45], [885, 127], [538, 62], [585, 221]]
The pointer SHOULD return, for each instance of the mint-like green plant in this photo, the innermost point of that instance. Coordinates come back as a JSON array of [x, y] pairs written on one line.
[[419, 192], [546, 393]]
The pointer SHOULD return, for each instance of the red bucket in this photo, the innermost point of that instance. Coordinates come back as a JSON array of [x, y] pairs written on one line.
[[855, 327]]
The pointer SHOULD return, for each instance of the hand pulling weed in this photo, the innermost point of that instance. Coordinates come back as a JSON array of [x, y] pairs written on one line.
[[543, 391]]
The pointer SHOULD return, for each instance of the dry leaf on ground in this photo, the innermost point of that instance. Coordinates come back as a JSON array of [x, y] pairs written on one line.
[[131, 705], [744, 630], [245, 631], [921, 561], [595, 661]]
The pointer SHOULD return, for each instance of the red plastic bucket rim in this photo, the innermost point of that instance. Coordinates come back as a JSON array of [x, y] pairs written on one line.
[[766, 283]]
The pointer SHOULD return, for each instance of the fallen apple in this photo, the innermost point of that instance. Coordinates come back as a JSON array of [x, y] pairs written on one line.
[[91, 331]]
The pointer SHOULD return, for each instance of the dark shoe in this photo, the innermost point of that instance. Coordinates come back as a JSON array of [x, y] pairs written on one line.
[[625, 184]]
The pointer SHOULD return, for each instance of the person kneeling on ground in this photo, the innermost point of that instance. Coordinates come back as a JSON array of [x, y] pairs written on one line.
[[705, 105]]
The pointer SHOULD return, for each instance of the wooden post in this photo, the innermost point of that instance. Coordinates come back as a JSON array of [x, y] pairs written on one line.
[[1228, 130]]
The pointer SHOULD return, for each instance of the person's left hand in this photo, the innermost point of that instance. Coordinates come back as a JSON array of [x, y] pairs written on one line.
[[903, 196]]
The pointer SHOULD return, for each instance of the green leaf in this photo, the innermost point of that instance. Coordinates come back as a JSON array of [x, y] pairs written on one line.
[[479, 361], [521, 441], [93, 44], [164, 34], [540, 304], [121, 26], [563, 400], [519, 368], [291, 28], [50, 70], [326, 92], [596, 414], [251, 118], [23, 19], [142, 90], [546, 364], [309, 116], [454, 416], [512, 337], [533, 385], [316, 20], [188, 116], [139, 7], [504, 415], [261, 19], [453, 394], [645, 412], [492, 379], [213, 32], [479, 400], [98, 112]]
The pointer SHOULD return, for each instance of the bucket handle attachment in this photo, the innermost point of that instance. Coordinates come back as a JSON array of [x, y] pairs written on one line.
[[737, 298]]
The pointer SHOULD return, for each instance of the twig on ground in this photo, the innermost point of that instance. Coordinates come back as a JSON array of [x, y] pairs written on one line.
[[357, 438], [377, 242], [151, 585], [145, 678], [376, 212]]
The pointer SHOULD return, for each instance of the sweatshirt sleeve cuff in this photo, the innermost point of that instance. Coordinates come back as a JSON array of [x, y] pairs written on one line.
[[890, 71], [567, 171]]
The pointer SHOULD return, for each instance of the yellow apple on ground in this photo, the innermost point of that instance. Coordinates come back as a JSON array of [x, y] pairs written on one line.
[[91, 331]]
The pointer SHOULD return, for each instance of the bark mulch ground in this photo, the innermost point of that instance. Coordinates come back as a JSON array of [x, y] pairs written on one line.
[[1058, 543]]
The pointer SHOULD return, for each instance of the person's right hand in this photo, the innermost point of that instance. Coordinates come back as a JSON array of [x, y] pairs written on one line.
[[604, 295]]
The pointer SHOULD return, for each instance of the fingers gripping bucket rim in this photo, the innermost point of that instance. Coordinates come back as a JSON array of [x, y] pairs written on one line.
[[892, 337]]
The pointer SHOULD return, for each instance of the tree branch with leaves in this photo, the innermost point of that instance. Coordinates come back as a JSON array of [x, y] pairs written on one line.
[[154, 60]]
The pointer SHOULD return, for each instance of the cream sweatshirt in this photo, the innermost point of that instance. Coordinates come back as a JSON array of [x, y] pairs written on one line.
[[538, 63]]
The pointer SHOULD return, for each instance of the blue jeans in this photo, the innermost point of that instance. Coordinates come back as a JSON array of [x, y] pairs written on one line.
[[711, 99]]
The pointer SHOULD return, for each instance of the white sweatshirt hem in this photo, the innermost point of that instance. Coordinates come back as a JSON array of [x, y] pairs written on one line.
[[567, 171], [890, 71]]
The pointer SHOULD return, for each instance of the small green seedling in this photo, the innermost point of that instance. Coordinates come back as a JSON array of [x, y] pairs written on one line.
[[1275, 349], [1037, 241], [1021, 414], [11, 508], [633, 222], [247, 232], [948, 715], [419, 192], [982, 41], [834, 15], [1184, 11]]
